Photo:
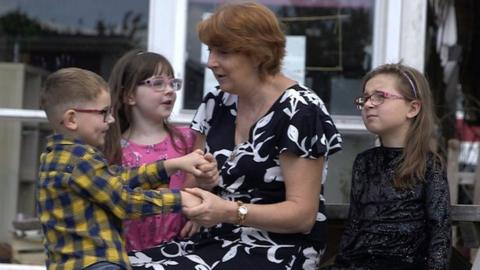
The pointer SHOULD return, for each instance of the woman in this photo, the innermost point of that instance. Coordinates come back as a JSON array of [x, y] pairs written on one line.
[[271, 138]]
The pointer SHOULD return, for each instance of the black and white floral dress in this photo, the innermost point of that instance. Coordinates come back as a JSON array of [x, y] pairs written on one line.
[[299, 123]]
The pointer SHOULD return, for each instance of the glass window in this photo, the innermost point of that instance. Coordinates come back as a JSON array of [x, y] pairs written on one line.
[[90, 34], [49, 35], [336, 41]]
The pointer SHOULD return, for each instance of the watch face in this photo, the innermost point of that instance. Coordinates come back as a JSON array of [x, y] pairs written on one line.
[[242, 210]]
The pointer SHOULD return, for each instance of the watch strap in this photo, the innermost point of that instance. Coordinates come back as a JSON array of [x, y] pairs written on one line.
[[241, 213]]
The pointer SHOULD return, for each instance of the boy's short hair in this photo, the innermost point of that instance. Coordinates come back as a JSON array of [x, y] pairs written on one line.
[[68, 88]]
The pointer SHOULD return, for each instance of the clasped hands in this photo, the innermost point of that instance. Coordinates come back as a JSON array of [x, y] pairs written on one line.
[[203, 169], [206, 176], [202, 208]]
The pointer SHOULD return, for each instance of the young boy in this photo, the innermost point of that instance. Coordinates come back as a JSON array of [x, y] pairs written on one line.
[[80, 199]]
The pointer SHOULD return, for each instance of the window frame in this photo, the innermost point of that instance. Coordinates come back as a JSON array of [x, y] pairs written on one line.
[[168, 21]]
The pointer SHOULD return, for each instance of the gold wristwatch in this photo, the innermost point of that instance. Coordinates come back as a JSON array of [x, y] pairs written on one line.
[[242, 212]]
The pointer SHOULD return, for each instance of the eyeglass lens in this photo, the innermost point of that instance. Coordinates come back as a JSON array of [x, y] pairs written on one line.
[[161, 84], [375, 98], [105, 113]]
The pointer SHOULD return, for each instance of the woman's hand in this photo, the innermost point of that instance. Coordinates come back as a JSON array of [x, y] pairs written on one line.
[[211, 211], [209, 177], [189, 229], [189, 163], [189, 200]]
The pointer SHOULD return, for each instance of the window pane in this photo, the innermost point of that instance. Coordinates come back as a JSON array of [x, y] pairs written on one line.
[[90, 34], [49, 35], [338, 46]]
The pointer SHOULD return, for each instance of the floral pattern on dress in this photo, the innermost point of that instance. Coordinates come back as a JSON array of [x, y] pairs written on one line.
[[298, 123]]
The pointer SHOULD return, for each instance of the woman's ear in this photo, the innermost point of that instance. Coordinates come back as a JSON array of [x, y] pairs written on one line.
[[415, 107], [69, 120], [255, 61]]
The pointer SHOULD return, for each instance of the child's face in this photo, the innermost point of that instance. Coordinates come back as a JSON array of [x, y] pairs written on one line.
[[390, 119], [92, 126], [155, 98]]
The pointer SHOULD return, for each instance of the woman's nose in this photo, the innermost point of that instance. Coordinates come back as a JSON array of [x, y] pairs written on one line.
[[212, 61]]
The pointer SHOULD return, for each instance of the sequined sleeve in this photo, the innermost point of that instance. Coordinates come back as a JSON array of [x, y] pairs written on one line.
[[437, 201], [352, 224]]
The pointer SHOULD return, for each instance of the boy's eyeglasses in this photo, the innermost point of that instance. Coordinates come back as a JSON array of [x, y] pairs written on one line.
[[377, 98], [160, 84], [105, 112]]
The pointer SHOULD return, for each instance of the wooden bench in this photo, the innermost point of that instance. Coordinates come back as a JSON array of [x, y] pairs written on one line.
[[337, 214], [459, 212]]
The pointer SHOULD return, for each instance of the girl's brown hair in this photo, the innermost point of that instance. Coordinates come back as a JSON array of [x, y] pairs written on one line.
[[413, 85], [249, 28], [132, 68]]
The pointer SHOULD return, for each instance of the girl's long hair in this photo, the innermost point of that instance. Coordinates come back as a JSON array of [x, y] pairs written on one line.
[[421, 135], [132, 68]]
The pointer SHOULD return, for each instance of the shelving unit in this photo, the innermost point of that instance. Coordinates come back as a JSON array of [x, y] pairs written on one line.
[[20, 144]]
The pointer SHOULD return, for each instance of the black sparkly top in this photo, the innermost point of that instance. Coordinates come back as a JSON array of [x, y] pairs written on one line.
[[386, 224]]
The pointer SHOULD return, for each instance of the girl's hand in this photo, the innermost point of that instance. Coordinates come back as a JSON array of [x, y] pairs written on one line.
[[189, 229], [210, 176], [188, 163]]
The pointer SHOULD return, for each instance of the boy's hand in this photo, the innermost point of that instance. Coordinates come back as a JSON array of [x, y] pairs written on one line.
[[188, 163], [208, 179]]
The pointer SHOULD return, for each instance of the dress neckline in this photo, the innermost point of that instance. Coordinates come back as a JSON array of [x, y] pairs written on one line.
[[389, 148], [272, 108], [163, 141]]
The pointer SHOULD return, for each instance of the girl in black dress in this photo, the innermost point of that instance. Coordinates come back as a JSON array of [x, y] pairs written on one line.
[[399, 203]]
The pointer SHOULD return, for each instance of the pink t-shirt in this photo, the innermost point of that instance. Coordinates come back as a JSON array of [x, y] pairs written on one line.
[[150, 231]]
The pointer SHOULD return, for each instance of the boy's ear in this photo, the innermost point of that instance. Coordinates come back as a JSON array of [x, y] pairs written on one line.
[[415, 107], [69, 120]]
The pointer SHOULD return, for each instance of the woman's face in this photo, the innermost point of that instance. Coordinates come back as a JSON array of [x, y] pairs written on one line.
[[233, 71]]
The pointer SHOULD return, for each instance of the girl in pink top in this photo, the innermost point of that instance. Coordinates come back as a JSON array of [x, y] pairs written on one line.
[[143, 92], [153, 230]]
